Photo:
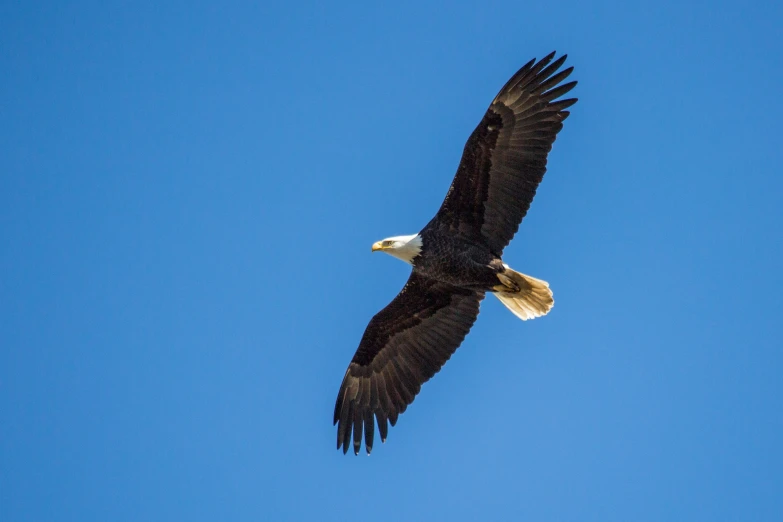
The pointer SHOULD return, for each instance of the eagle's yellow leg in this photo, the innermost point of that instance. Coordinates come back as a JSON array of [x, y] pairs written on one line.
[[506, 284], [526, 297]]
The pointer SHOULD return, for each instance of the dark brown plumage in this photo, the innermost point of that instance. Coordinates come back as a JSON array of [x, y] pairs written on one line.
[[505, 158], [418, 331], [407, 342]]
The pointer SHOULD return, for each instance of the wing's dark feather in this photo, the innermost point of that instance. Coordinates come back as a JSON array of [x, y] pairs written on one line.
[[554, 80], [364, 394], [562, 104], [369, 432], [358, 422], [383, 428], [345, 416], [525, 111], [404, 345], [505, 157], [386, 404], [393, 388], [375, 400], [347, 431], [551, 68], [514, 80], [558, 91], [540, 125], [407, 386], [533, 72]]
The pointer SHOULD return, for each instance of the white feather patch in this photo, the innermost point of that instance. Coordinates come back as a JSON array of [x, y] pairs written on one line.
[[404, 247]]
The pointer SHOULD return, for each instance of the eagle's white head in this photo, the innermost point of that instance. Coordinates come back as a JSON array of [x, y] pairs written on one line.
[[401, 247]]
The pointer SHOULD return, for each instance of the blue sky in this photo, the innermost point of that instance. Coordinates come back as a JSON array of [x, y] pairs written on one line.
[[188, 194]]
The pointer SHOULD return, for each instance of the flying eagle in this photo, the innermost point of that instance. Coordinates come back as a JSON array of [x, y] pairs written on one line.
[[456, 258]]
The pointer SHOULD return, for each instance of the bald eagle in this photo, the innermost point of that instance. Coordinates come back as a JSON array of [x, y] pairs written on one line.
[[457, 257]]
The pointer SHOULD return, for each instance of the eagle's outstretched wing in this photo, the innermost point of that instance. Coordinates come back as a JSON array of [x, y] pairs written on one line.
[[505, 158], [404, 345]]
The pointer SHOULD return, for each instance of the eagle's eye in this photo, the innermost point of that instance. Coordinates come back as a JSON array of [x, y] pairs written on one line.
[[387, 243]]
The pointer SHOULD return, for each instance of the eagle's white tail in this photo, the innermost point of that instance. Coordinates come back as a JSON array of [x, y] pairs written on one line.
[[532, 299]]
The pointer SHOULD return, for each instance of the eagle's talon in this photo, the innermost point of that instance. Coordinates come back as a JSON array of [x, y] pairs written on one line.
[[508, 284]]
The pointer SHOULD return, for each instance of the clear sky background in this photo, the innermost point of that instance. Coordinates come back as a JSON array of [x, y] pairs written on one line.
[[188, 195]]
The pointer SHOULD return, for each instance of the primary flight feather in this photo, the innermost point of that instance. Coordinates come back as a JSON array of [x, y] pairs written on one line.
[[456, 258]]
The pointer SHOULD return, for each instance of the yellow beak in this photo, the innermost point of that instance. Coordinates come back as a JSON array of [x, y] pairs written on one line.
[[377, 246]]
